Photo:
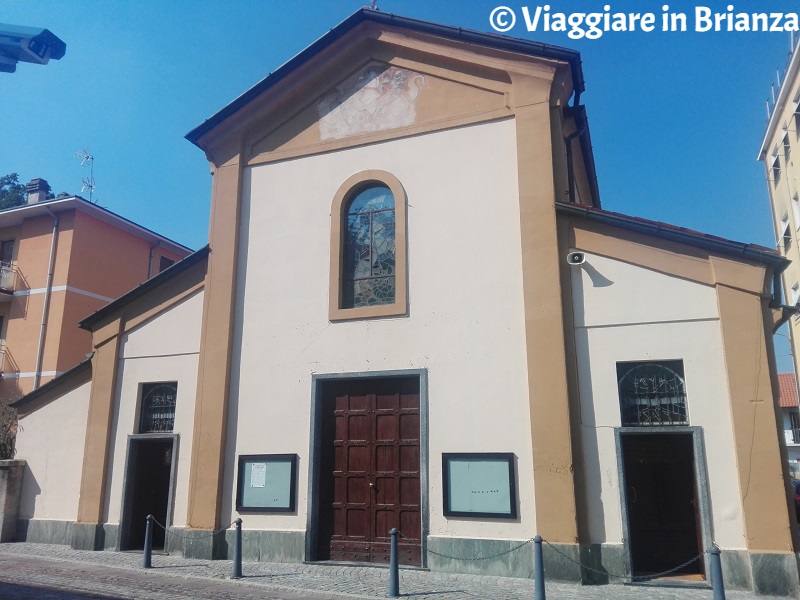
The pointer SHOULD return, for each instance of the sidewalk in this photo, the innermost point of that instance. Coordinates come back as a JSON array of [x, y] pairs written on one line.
[[66, 574]]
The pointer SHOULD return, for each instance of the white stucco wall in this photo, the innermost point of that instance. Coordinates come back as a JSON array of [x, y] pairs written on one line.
[[623, 313], [465, 323], [165, 348], [51, 440]]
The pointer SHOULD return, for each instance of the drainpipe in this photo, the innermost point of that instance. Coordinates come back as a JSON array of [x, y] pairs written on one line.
[[150, 260], [46, 307], [568, 141]]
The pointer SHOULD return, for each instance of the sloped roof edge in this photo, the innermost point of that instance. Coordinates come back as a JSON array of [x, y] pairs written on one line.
[[17, 213], [26, 404], [493, 40], [675, 233], [144, 288]]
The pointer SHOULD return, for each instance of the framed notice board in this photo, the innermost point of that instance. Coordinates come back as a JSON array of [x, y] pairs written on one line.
[[479, 485], [267, 483]]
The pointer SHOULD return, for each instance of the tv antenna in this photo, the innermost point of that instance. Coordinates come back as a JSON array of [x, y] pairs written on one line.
[[87, 160]]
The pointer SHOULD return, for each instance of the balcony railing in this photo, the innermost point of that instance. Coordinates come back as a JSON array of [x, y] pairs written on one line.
[[4, 358], [792, 436], [8, 277]]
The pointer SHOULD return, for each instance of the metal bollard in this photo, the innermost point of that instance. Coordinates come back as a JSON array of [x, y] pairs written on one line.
[[394, 569], [147, 554], [716, 574], [237, 550], [538, 569]]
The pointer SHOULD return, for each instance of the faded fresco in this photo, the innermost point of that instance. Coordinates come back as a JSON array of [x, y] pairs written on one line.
[[382, 98]]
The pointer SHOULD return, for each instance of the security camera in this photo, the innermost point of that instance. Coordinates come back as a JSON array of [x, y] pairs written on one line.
[[28, 44], [576, 258]]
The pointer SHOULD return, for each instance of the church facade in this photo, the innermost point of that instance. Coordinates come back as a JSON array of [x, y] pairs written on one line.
[[414, 313]]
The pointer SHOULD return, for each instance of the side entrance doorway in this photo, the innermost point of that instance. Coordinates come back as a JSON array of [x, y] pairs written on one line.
[[148, 489], [663, 503], [369, 469]]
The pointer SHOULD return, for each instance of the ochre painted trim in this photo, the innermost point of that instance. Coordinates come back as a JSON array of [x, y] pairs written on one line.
[[106, 339], [216, 342], [582, 500], [353, 185], [98, 427], [485, 69], [161, 307], [753, 410], [665, 256], [373, 138], [548, 394], [745, 321]]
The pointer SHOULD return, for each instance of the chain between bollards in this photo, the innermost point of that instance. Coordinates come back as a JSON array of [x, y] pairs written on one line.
[[716, 573], [393, 590], [237, 550], [147, 554], [538, 569]]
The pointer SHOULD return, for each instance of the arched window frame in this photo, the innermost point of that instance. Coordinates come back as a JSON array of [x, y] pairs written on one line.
[[347, 190]]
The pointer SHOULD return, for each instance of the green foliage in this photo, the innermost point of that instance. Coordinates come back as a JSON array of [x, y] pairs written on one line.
[[8, 431], [12, 192]]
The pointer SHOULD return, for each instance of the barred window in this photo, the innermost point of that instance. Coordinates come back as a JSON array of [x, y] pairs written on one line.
[[158, 407], [652, 394]]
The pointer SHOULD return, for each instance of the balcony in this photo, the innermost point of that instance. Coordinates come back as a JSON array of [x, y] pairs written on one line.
[[792, 437], [8, 278]]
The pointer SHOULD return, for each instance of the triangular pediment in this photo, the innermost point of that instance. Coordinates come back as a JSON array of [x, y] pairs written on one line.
[[377, 77], [379, 100]]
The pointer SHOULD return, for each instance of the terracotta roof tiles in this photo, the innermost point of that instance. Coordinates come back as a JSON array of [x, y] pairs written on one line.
[[788, 388]]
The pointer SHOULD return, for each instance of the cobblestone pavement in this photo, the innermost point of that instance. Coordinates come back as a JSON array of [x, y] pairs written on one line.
[[49, 572]]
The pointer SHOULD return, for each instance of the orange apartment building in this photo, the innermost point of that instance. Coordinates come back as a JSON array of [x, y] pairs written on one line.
[[60, 260]]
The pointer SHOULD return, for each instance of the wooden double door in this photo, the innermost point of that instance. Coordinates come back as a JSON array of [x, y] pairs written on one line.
[[370, 470]]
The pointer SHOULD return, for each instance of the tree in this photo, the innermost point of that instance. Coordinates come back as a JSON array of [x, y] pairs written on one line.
[[12, 192], [8, 430]]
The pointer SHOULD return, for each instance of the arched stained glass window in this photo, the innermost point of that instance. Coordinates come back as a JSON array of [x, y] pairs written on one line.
[[652, 393], [368, 269]]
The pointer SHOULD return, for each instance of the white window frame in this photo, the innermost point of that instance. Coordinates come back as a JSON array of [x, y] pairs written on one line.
[[787, 146], [785, 240], [775, 167], [797, 116]]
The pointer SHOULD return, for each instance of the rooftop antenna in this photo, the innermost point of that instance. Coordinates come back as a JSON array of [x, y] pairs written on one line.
[[87, 159]]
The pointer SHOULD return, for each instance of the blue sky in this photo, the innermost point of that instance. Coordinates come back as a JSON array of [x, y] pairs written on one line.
[[676, 118]]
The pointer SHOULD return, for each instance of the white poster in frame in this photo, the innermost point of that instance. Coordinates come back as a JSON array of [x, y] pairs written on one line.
[[479, 485]]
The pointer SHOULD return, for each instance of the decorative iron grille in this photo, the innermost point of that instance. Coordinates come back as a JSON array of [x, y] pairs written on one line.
[[158, 407], [652, 394]]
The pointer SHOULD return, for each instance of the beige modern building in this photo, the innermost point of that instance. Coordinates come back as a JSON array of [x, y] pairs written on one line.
[[414, 313], [60, 260], [778, 152]]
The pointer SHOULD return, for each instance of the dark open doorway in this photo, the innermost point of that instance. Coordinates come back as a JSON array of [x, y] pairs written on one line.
[[148, 489], [662, 503]]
